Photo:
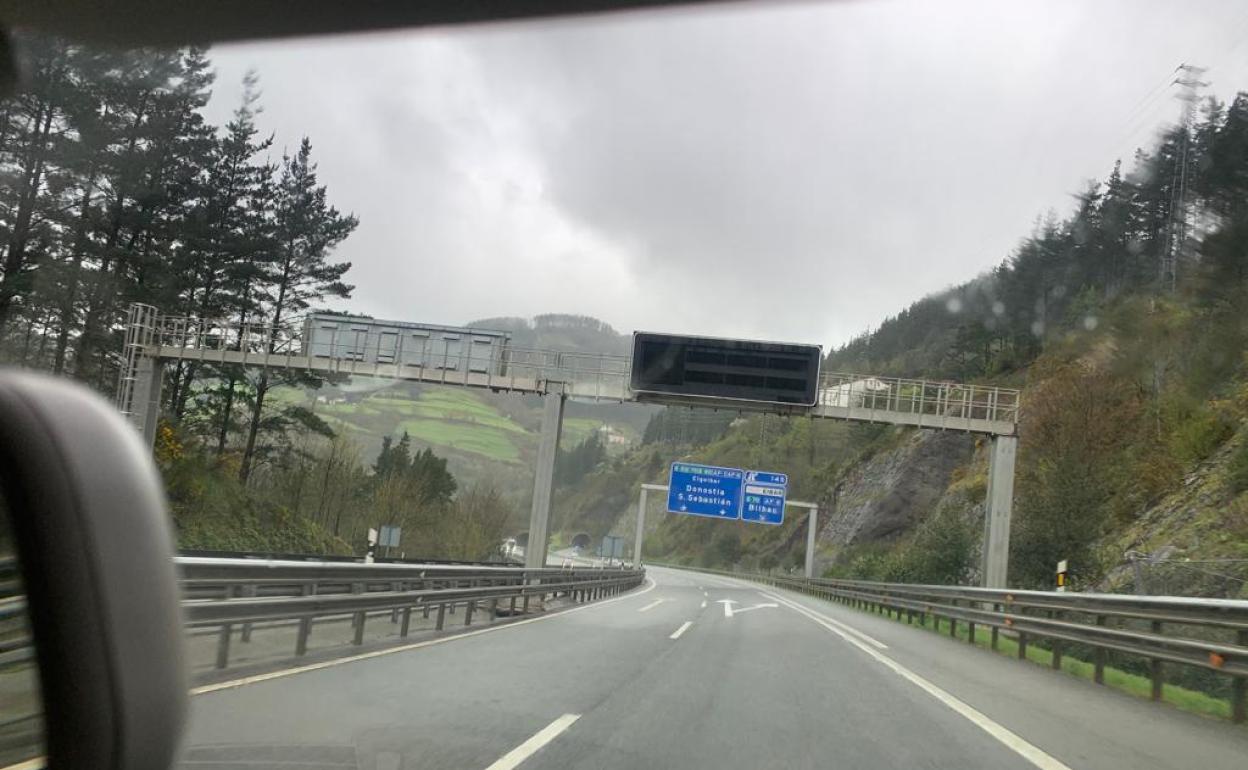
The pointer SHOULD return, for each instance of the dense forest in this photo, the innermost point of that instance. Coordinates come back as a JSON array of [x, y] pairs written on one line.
[[114, 189], [1067, 271]]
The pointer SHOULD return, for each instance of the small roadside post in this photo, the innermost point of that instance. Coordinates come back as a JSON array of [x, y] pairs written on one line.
[[1061, 576]]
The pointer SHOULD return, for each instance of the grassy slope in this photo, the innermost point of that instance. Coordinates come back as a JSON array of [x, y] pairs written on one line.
[[488, 438]]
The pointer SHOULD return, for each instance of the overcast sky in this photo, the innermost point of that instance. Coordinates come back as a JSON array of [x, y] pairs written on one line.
[[794, 172]]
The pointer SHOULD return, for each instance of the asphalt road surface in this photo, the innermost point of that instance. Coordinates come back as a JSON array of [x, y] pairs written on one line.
[[670, 676]]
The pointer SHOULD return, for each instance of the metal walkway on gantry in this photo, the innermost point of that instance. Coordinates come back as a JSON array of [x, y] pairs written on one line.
[[154, 339], [583, 376]]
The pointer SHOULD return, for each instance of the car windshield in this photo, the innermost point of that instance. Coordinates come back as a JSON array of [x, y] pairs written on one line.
[[731, 386]]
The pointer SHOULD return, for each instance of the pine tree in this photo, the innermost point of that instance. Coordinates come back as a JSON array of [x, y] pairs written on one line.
[[34, 121], [306, 231]]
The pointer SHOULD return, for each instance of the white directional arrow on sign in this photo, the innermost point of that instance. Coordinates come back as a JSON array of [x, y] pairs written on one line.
[[729, 611]]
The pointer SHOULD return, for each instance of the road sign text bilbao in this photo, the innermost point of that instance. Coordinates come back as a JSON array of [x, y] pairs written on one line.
[[763, 503]]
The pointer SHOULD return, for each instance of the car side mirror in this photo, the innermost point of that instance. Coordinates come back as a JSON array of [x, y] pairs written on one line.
[[95, 547]]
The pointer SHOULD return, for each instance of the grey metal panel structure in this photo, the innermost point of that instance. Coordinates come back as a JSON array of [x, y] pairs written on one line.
[[375, 341]]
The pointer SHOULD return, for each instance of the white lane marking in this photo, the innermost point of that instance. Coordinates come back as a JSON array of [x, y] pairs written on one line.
[[727, 606], [704, 593], [651, 605], [38, 763], [764, 605], [824, 619], [530, 747], [1008, 738], [704, 604], [683, 628], [415, 646]]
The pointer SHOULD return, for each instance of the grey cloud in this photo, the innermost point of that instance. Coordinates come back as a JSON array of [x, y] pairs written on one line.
[[789, 173]]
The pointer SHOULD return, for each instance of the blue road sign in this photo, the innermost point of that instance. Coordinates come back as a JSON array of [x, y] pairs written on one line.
[[763, 497], [763, 477], [705, 490]]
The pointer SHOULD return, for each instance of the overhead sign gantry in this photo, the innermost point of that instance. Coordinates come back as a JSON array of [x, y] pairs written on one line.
[[739, 375]]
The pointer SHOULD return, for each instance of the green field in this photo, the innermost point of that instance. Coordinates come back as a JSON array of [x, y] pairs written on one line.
[[465, 437], [450, 418], [463, 406], [577, 429]]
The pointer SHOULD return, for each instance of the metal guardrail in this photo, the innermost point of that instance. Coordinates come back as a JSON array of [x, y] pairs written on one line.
[[226, 593], [317, 557], [1206, 633]]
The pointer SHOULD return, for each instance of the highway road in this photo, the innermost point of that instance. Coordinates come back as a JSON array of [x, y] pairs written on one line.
[[692, 671]]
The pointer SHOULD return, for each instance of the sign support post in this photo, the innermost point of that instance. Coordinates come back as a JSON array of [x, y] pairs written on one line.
[[998, 511], [544, 480], [812, 530]]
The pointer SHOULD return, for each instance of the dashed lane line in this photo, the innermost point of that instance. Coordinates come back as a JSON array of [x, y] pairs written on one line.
[[530, 747]]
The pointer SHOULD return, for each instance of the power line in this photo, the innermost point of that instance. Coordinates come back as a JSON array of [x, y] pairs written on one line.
[[1143, 114], [1189, 82]]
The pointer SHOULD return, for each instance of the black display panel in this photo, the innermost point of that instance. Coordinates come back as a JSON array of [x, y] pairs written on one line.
[[705, 367]]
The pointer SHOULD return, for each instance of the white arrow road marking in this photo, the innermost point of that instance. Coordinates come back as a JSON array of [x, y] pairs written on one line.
[[527, 749], [729, 611]]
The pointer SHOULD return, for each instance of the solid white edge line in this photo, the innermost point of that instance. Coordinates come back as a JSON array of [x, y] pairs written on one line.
[[38, 763], [1004, 735], [683, 628], [231, 684], [846, 628], [651, 605], [530, 747]]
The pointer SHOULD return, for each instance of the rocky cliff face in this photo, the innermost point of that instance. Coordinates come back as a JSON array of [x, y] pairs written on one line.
[[1191, 542], [887, 494]]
